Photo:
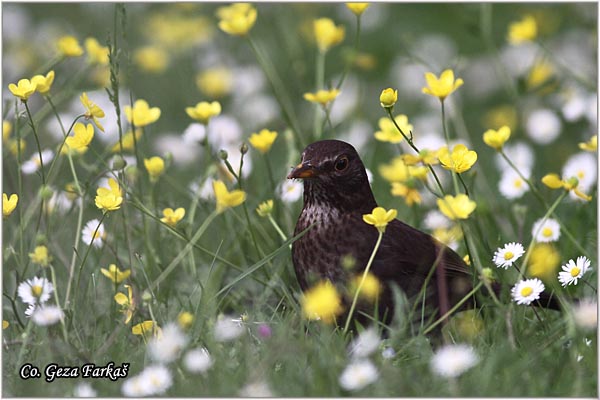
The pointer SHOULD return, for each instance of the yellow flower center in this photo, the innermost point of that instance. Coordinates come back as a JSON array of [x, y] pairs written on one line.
[[97, 234], [581, 174], [508, 255], [37, 290], [518, 183], [526, 291], [575, 271], [547, 232]]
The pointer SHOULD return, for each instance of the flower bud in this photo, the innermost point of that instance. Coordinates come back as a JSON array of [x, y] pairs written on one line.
[[388, 97], [223, 154]]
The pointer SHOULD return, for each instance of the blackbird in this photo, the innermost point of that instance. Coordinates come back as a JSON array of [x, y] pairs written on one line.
[[337, 194]]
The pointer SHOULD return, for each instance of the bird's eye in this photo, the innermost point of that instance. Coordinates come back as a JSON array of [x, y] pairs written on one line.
[[341, 163]]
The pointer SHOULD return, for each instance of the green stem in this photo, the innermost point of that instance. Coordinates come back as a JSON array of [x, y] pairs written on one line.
[[37, 141], [447, 136], [453, 309], [278, 229], [353, 57], [320, 82], [362, 281]]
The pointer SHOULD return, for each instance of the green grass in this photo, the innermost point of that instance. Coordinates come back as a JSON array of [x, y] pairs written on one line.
[[235, 263]]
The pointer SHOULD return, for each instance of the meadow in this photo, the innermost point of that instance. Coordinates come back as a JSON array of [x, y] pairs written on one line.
[[147, 218]]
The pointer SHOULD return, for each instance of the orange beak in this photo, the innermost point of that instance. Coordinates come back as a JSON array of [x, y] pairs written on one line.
[[302, 171]]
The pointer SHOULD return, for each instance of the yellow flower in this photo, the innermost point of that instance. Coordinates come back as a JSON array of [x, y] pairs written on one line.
[[115, 274], [68, 46], [591, 146], [371, 288], [496, 139], [380, 217], [40, 256], [226, 199], [215, 82], [357, 8], [388, 131], [265, 208], [204, 111], [237, 19], [43, 83], [82, 137], [141, 114], [96, 54], [448, 236], [263, 140], [5, 324], [23, 89], [522, 31], [155, 167], [553, 181], [539, 74], [442, 87], [410, 194], [322, 302], [128, 141], [92, 111], [151, 59], [9, 204], [460, 160], [543, 262], [322, 96], [425, 156], [459, 207], [126, 302], [6, 130], [109, 199], [500, 116], [388, 97], [395, 171], [171, 217], [327, 34], [185, 319], [146, 329]]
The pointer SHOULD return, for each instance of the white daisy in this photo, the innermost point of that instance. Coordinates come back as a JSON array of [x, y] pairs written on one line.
[[197, 360], [365, 344], [586, 314], [584, 167], [543, 126], [155, 379], [526, 291], [511, 185], [84, 389], [227, 329], [358, 374], [452, 360], [224, 131], [93, 234], [167, 347], [290, 190], [256, 389], [174, 144], [545, 231], [506, 256], [32, 165], [35, 290], [434, 219], [47, 315], [572, 271], [194, 133], [59, 202]]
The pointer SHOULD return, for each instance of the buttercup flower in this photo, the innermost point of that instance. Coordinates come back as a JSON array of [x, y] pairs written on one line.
[[522, 31], [6, 130], [43, 83], [204, 111], [40, 256], [388, 97], [155, 167], [322, 96], [357, 8], [371, 288], [411, 195], [92, 111], [128, 141], [442, 87], [460, 160], [126, 302], [145, 329], [35, 290], [23, 89], [9, 204], [322, 302], [327, 34], [398, 171], [265, 208], [109, 199], [226, 199], [388, 131], [572, 271], [97, 54], [506, 256], [553, 181], [185, 319], [82, 137], [453, 360], [263, 140], [68, 46], [496, 138], [171, 217], [380, 217], [546, 230], [141, 114], [215, 82], [543, 262], [459, 207], [151, 59], [527, 291], [358, 374], [116, 275], [591, 145], [237, 19]]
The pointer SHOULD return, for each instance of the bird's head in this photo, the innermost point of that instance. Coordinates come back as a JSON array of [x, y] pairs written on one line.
[[333, 172]]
